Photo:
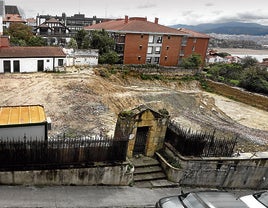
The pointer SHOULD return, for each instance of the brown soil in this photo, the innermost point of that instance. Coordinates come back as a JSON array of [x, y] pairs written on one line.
[[83, 102]]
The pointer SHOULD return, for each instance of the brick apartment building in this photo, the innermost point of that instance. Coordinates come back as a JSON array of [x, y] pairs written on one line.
[[139, 41]]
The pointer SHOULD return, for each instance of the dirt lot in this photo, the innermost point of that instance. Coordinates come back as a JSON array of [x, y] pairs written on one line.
[[85, 103]]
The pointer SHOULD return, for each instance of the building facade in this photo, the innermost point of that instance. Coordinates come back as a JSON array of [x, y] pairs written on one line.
[[139, 41], [29, 59]]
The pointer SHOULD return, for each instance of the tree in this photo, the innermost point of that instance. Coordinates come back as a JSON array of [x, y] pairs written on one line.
[[19, 34], [192, 62], [72, 44], [109, 58], [102, 41], [81, 37], [36, 41], [249, 61]]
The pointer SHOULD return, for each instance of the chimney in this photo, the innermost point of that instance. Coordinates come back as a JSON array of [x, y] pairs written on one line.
[[4, 41], [156, 20], [126, 19]]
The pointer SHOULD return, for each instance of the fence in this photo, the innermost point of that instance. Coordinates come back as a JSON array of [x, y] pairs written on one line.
[[60, 152], [189, 143]]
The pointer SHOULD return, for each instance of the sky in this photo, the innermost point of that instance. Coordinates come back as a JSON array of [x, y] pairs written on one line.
[[169, 12]]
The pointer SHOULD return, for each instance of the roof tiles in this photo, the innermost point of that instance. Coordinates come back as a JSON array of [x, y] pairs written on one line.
[[31, 52]]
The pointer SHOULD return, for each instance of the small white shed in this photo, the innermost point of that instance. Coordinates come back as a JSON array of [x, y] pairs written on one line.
[[31, 59], [23, 122], [77, 57]]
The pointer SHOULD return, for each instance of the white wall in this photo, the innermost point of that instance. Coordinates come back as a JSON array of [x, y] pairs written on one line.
[[30, 64], [19, 132]]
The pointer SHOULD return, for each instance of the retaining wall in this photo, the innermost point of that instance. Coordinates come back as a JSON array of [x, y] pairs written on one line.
[[247, 170], [102, 174]]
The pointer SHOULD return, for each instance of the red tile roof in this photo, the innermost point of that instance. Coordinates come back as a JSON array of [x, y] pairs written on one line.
[[13, 18], [134, 25], [31, 52], [194, 33]]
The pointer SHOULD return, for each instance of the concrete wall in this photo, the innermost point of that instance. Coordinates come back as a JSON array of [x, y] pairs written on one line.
[[246, 170], [121, 174]]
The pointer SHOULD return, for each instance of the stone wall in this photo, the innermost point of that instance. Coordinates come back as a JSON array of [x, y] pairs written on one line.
[[249, 98], [247, 170], [103, 174]]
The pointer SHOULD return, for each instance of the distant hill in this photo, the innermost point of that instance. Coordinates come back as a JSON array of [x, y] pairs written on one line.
[[231, 28]]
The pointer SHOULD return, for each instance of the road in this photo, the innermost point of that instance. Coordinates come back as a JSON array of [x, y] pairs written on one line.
[[87, 196], [81, 196]]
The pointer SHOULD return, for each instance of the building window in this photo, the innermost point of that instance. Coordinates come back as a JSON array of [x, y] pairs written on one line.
[[193, 49], [149, 60], [140, 47], [159, 39], [139, 58], [157, 49], [156, 60], [184, 40], [60, 62], [167, 47], [168, 37], [151, 38], [165, 58], [141, 35], [150, 50], [194, 40]]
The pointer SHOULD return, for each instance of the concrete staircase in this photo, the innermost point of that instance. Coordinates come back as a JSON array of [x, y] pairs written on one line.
[[149, 174]]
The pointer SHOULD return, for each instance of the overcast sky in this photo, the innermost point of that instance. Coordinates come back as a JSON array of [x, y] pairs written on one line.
[[169, 12]]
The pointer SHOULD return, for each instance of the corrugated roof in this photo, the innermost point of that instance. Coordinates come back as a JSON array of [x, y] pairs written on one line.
[[134, 25], [31, 52], [17, 115]]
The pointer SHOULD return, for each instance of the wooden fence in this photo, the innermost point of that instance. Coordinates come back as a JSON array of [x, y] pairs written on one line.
[[198, 144], [60, 152]]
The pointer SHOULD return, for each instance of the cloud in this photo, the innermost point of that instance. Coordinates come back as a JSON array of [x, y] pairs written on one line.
[[210, 4], [146, 6]]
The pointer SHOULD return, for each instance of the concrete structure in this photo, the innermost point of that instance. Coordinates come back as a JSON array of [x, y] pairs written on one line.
[[82, 57], [145, 129], [17, 122], [101, 174], [243, 171], [29, 59], [139, 41]]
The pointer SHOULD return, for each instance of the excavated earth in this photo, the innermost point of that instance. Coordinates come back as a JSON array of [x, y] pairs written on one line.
[[84, 102]]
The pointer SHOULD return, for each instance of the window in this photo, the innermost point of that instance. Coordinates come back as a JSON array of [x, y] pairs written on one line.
[[168, 37], [156, 60], [141, 35], [157, 49], [60, 62], [140, 47], [167, 47], [195, 40], [193, 49], [165, 58], [149, 60], [159, 39], [150, 50], [184, 40], [151, 38], [139, 58]]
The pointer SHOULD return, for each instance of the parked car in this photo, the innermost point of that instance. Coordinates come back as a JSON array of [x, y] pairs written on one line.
[[203, 199], [257, 200]]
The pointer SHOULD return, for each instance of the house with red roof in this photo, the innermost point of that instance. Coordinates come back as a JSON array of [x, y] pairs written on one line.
[[139, 41], [29, 59]]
